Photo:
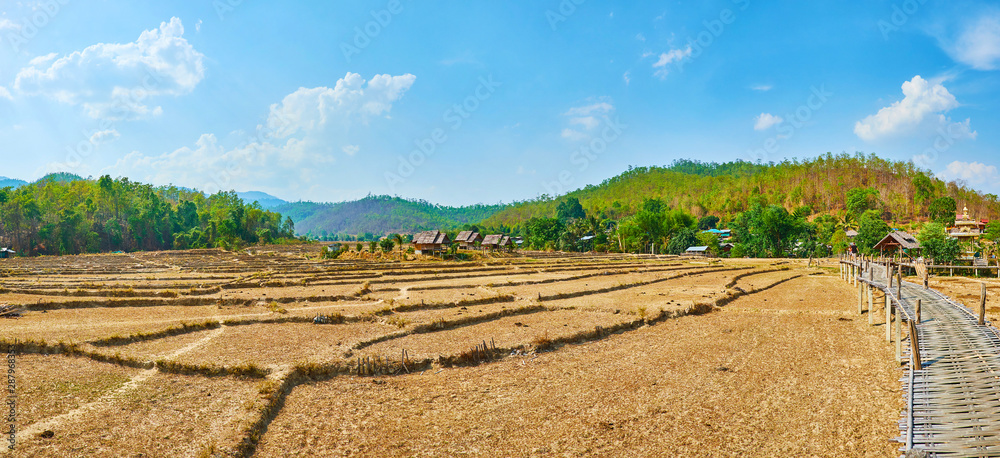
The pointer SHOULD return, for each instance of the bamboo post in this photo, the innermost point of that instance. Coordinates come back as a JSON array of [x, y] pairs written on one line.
[[885, 299], [899, 286], [871, 299], [982, 304], [888, 320], [871, 310], [898, 325], [860, 299], [915, 347], [918, 311]]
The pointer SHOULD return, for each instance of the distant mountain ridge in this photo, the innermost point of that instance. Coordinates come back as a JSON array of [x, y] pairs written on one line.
[[62, 177], [377, 215], [265, 200], [11, 182]]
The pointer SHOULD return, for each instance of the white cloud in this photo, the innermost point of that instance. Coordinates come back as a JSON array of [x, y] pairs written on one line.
[[626, 78], [291, 150], [978, 43], [674, 55], [922, 100], [971, 172], [595, 108], [5, 94], [762, 87], [766, 121], [114, 81], [7, 24], [574, 135], [522, 171], [588, 122], [640, 37], [197, 27], [586, 116], [104, 136], [307, 109]]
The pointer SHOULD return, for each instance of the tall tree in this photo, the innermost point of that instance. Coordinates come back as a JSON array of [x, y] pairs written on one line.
[[942, 210]]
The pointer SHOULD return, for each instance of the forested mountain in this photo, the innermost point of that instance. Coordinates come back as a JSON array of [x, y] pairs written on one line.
[[65, 214], [904, 192], [378, 215]]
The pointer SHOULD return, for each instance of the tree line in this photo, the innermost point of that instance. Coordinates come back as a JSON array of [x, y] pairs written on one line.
[[72, 216]]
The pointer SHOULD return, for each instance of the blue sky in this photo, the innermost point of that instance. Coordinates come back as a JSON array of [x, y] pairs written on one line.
[[474, 101]]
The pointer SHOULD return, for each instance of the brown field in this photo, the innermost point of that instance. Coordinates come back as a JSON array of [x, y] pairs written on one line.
[[213, 353]]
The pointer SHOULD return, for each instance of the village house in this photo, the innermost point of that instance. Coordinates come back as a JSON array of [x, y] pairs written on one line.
[[430, 242], [496, 242], [7, 253], [467, 240], [701, 251], [898, 241]]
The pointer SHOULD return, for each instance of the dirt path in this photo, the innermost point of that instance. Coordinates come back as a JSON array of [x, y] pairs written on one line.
[[106, 400]]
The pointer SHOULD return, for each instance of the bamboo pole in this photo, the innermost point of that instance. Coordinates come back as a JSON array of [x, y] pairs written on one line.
[[915, 347], [982, 304], [860, 299], [871, 299], [888, 321], [871, 309], [918, 311], [897, 324]]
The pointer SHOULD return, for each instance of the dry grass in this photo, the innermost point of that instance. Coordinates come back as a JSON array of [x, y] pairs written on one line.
[[167, 415], [792, 387], [604, 366]]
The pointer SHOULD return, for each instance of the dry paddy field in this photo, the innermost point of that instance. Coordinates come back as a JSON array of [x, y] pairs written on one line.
[[213, 353]]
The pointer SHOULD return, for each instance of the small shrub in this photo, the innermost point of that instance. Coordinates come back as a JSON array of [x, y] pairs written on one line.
[[398, 321], [541, 341], [274, 307], [366, 288]]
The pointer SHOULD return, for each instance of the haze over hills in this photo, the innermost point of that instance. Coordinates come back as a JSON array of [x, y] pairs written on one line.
[[265, 200], [11, 182], [380, 215]]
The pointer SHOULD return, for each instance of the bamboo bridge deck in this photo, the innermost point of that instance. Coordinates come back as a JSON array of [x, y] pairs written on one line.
[[953, 398]]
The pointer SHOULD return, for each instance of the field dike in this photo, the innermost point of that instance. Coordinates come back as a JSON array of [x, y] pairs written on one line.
[[183, 328], [546, 281], [182, 302], [624, 286], [432, 275], [336, 318]]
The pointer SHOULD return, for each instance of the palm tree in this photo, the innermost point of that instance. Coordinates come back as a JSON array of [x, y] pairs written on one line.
[[399, 241]]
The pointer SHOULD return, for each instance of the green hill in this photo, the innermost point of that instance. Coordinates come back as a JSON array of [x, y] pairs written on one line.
[[377, 215], [904, 191]]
